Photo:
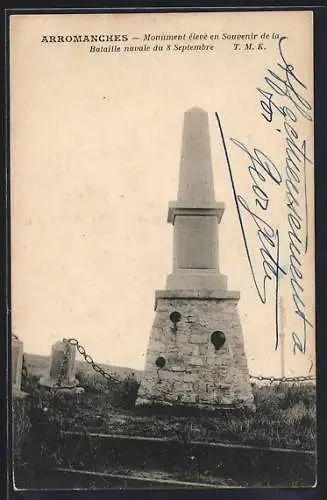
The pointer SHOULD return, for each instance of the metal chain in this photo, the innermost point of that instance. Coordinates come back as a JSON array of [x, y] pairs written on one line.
[[89, 360], [98, 369], [106, 375], [74, 342], [285, 379]]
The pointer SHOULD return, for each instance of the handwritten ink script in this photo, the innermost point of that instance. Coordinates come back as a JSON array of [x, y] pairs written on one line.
[[283, 106]]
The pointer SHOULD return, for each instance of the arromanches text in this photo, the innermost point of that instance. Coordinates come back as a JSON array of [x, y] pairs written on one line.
[[110, 37]]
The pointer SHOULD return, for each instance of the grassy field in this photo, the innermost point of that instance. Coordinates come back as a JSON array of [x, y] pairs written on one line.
[[285, 418], [285, 415]]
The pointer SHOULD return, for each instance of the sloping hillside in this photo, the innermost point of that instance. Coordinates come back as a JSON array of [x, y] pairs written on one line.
[[38, 365]]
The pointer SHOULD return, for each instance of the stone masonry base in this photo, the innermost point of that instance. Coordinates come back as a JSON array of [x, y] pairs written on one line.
[[184, 367]]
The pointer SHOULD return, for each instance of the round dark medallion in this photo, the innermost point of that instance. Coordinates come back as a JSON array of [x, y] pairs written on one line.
[[160, 362], [175, 317], [218, 339]]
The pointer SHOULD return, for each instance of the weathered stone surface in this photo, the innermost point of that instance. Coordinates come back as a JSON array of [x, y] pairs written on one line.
[[216, 377], [196, 214], [61, 366], [16, 367]]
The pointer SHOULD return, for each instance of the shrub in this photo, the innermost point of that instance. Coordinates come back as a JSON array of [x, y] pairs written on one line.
[[122, 393], [93, 381], [20, 430], [293, 394], [268, 399]]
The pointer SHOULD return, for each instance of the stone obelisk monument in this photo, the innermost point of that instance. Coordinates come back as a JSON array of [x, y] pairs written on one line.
[[196, 354]]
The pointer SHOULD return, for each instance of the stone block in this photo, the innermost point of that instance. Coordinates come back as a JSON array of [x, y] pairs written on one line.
[[62, 367], [16, 367], [190, 377]]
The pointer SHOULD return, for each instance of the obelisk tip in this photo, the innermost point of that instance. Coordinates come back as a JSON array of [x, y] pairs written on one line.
[[196, 176], [196, 110]]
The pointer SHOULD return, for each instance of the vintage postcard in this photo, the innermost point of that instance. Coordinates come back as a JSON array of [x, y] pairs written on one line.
[[162, 250]]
